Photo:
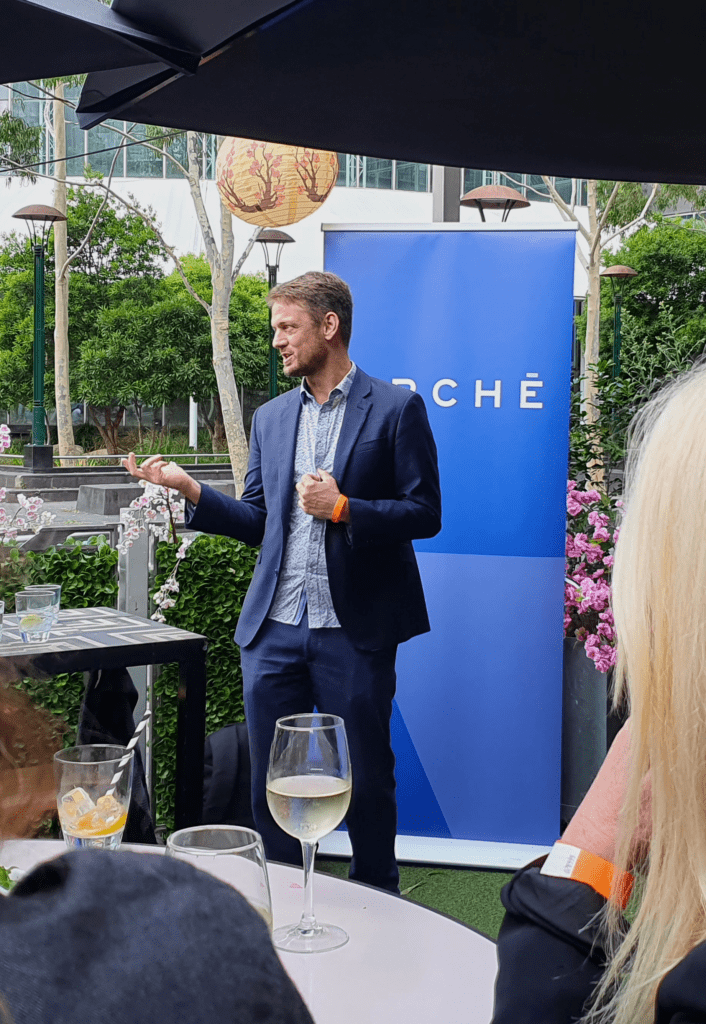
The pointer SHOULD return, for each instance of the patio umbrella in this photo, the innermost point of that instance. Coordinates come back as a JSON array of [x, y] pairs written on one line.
[[607, 90], [53, 38]]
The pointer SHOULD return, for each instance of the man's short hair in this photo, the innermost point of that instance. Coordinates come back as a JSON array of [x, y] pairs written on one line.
[[319, 293]]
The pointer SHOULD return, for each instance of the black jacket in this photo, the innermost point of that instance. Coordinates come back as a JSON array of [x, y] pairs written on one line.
[[550, 957], [102, 937]]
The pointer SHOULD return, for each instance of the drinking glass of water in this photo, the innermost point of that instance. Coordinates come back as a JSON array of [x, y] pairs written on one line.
[[308, 793], [51, 588], [35, 609], [232, 853]]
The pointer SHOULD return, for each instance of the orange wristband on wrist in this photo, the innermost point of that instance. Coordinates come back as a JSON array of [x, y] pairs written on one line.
[[339, 509], [580, 866]]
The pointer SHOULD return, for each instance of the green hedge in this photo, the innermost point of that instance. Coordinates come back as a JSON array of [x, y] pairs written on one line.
[[213, 578]]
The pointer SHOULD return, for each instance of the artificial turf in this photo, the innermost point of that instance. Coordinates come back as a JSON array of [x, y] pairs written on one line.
[[469, 895]]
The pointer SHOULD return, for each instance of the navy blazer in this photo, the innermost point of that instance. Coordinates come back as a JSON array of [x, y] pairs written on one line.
[[386, 465]]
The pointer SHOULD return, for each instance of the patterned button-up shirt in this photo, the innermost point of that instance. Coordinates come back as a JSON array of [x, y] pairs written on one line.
[[303, 580]]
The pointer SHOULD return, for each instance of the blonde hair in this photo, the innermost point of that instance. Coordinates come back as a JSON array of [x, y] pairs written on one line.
[[659, 601]]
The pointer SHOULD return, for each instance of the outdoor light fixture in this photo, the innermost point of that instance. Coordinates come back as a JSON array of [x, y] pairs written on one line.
[[272, 241], [39, 219], [494, 197], [617, 276]]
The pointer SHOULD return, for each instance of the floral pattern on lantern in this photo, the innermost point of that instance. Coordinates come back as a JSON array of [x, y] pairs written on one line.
[[273, 185]]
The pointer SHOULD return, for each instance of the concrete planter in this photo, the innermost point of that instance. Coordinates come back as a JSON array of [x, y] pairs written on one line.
[[583, 732]]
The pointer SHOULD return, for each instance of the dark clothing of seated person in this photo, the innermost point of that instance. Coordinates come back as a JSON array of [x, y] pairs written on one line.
[[101, 937]]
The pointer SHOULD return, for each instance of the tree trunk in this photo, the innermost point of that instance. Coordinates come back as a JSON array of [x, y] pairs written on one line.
[[222, 360], [218, 434], [138, 414], [108, 429], [62, 393]]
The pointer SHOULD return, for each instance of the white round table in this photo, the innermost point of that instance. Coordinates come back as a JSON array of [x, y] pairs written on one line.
[[403, 964]]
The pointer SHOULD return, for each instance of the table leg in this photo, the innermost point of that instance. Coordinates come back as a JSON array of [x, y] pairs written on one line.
[[191, 735]]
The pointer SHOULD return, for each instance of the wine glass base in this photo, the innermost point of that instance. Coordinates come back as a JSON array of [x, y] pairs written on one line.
[[293, 939]]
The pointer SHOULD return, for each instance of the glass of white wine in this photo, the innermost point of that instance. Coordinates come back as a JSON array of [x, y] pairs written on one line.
[[308, 793]]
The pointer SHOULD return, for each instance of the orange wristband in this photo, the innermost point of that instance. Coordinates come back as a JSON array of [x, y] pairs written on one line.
[[339, 509], [580, 866]]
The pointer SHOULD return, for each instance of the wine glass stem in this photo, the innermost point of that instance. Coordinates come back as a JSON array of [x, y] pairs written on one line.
[[308, 921]]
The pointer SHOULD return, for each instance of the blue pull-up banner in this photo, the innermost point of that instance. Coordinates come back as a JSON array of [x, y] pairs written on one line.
[[479, 322]]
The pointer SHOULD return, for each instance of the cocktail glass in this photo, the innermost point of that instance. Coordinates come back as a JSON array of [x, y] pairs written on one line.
[[232, 853], [93, 787], [35, 609]]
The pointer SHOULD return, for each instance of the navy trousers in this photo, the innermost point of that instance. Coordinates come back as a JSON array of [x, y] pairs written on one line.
[[290, 670]]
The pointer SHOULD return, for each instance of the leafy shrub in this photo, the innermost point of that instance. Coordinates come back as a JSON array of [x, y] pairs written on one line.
[[213, 579]]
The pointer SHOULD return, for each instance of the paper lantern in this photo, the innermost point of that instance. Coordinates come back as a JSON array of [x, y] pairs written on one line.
[[273, 185]]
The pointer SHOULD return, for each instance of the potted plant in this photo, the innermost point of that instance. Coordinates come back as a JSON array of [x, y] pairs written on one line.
[[589, 639]]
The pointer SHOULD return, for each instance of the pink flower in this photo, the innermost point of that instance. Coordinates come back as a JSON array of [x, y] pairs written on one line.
[[597, 518], [608, 560], [594, 553]]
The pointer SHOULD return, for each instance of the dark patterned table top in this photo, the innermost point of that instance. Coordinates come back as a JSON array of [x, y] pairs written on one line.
[[86, 629]]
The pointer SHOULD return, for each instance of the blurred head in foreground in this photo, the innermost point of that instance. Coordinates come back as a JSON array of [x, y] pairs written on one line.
[[28, 739], [659, 601]]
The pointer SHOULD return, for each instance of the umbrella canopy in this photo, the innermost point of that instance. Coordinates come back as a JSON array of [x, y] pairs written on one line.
[[53, 38], [590, 89]]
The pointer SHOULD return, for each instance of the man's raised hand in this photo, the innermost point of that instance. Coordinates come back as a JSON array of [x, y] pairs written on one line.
[[164, 474]]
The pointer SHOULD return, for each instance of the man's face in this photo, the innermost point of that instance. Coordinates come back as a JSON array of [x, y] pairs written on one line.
[[301, 343]]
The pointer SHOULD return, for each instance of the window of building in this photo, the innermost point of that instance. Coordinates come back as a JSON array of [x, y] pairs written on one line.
[[373, 172], [177, 148], [141, 161], [377, 173], [513, 179], [537, 191], [103, 138], [411, 177], [474, 179], [564, 187]]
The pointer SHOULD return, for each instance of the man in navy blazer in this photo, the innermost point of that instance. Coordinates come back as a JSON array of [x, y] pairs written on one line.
[[342, 477]]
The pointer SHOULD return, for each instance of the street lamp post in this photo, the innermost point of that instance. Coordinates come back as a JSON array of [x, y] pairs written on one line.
[[272, 241], [617, 276], [38, 456]]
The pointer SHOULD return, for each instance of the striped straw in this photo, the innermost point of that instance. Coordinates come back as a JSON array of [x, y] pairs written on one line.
[[130, 747]]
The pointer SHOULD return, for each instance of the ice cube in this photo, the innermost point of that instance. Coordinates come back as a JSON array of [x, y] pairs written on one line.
[[76, 803], [108, 808]]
